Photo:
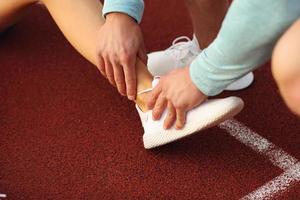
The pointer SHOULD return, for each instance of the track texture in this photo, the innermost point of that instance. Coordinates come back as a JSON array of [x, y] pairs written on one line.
[[65, 133]]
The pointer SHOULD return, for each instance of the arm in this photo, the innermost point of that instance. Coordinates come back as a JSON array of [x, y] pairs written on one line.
[[246, 39], [133, 8]]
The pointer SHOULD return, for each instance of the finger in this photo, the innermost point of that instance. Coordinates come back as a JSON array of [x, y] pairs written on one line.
[[128, 64], [101, 65], [180, 118], [159, 107], [153, 96], [119, 79], [171, 117], [109, 72]]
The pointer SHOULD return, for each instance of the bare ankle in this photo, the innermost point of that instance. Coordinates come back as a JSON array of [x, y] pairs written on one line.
[[142, 100]]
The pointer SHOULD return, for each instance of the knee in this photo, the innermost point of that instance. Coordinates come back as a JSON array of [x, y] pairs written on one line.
[[286, 57], [286, 67]]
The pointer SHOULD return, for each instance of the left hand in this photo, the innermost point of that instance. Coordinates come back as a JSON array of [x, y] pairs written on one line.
[[178, 94], [120, 43]]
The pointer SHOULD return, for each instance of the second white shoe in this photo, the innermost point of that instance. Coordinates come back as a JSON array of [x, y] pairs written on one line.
[[182, 53]]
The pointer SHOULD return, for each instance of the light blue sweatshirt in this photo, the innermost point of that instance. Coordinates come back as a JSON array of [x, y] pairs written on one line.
[[246, 40], [133, 8]]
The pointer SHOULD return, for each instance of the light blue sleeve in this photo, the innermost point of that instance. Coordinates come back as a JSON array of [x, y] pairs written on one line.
[[133, 8], [245, 41]]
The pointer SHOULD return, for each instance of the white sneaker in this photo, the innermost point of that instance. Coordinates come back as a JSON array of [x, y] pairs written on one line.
[[182, 53], [208, 114], [241, 83]]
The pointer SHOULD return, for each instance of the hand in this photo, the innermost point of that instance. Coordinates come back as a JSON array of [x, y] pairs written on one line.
[[178, 94], [120, 40]]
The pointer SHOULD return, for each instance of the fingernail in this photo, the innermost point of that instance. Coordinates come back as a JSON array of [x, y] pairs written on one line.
[[131, 98], [166, 127]]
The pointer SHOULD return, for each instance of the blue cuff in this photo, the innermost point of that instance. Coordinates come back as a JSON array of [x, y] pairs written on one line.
[[211, 77], [133, 8], [201, 78]]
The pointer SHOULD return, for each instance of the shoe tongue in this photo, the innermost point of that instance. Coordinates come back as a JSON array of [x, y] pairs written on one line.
[[185, 52], [188, 58]]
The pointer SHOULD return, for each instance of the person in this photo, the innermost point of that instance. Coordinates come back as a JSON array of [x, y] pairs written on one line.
[[107, 43], [246, 40], [206, 17]]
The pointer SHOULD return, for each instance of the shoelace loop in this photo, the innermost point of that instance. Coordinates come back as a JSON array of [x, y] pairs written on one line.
[[182, 49]]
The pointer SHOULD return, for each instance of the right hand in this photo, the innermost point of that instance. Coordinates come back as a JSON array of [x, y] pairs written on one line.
[[120, 42]]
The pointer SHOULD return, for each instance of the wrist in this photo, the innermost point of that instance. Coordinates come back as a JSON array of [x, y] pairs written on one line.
[[194, 84]]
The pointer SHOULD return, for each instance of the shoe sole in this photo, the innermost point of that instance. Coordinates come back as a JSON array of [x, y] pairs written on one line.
[[223, 109], [241, 83]]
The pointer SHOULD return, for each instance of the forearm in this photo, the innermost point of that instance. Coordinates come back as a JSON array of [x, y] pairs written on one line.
[[133, 8], [245, 41]]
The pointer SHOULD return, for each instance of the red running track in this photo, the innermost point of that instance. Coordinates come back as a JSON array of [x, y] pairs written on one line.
[[65, 133]]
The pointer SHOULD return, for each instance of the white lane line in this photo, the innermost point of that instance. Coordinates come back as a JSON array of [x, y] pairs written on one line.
[[2, 195], [275, 155], [261, 145], [276, 186]]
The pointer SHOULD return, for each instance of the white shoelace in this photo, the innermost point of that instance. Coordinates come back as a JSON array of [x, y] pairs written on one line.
[[2, 195], [154, 83], [183, 50]]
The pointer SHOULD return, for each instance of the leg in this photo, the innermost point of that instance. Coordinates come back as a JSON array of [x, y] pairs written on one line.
[[286, 67], [207, 17], [12, 10], [79, 21]]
